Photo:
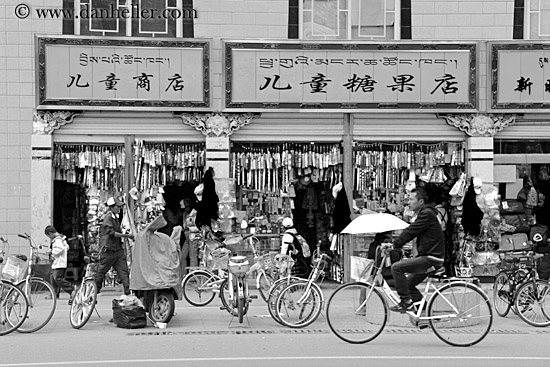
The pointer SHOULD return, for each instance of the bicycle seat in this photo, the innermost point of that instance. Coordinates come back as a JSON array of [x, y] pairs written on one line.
[[438, 273]]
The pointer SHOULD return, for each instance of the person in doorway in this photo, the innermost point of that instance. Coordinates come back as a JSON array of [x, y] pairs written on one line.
[[430, 246], [110, 244], [59, 248], [291, 246]]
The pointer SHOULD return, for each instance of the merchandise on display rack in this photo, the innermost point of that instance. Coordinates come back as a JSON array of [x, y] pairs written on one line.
[[385, 173], [161, 165], [90, 173], [289, 179]]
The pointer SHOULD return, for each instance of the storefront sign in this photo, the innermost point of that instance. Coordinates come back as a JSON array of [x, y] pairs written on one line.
[[354, 76], [109, 73], [520, 76]]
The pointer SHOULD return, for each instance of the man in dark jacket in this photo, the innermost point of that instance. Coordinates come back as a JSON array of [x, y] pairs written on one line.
[[111, 251], [430, 244]]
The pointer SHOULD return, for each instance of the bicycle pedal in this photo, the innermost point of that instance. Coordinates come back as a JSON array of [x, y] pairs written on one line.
[[253, 296], [222, 308]]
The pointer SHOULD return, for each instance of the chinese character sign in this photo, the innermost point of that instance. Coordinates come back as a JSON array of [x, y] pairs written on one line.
[[523, 77], [99, 75], [364, 78]]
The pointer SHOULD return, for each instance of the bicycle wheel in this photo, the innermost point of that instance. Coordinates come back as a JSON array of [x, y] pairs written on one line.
[[197, 288], [232, 306], [357, 312], [532, 303], [42, 303], [502, 294], [264, 282], [299, 306], [83, 304], [463, 314], [274, 291], [13, 308]]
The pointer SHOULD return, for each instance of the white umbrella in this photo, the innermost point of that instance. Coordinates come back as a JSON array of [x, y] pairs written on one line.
[[375, 223]]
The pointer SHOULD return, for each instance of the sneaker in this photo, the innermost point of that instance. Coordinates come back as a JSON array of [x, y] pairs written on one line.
[[403, 307]]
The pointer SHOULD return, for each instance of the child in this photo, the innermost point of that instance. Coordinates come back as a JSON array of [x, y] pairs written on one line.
[[59, 248]]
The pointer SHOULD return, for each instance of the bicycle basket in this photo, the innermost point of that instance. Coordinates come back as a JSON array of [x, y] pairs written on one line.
[[220, 258], [361, 268], [15, 269]]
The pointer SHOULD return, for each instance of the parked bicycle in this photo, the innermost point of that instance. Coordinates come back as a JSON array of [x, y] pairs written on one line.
[[458, 311], [85, 299], [202, 283], [300, 303], [39, 292], [13, 302], [520, 289]]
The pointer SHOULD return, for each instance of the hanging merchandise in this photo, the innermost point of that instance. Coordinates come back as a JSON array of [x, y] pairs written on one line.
[[289, 179], [384, 172], [99, 170], [157, 165]]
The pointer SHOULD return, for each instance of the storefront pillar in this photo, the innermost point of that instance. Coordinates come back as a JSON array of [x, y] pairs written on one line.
[[480, 130], [44, 124]]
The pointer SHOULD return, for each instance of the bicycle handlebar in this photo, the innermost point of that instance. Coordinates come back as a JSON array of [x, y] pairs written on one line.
[[24, 236]]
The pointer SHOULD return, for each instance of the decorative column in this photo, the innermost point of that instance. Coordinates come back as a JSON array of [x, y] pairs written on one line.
[[217, 127], [44, 124], [481, 129]]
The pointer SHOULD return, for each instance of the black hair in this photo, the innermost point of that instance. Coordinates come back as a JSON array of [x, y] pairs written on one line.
[[50, 229], [421, 194]]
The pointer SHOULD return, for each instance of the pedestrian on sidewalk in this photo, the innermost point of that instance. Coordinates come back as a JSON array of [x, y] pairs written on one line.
[[59, 248], [111, 251]]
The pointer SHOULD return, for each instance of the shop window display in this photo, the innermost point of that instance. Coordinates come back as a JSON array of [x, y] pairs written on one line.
[[384, 174], [165, 175], [291, 179]]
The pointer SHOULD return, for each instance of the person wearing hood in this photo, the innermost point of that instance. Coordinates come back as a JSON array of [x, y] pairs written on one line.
[[431, 251]]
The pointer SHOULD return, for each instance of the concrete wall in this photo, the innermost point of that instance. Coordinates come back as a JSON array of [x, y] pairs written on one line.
[[17, 100]]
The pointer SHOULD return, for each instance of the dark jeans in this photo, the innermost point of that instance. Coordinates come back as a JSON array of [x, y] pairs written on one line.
[[117, 260], [58, 276], [416, 269]]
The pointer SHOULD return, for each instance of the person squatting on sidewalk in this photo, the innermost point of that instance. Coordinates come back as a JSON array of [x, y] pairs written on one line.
[[111, 250], [59, 248]]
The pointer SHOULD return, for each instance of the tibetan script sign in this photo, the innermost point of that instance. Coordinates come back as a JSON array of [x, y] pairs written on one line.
[[355, 76], [103, 73], [520, 76]]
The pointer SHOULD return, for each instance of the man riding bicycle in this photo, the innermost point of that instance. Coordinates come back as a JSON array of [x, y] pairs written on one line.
[[431, 251]]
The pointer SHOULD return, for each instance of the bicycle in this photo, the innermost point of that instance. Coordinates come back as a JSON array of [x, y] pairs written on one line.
[[202, 283], [521, 289], [284, 264], [458, 312], [236, 284], [39, 292], [85, 298], [300, 303], [13, 303]]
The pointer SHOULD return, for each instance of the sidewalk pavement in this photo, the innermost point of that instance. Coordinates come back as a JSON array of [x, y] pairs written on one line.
[[211, 319]]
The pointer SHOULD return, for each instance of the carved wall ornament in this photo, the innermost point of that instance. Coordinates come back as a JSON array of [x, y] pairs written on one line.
[[480, 124], [216, 124], [45, 122]]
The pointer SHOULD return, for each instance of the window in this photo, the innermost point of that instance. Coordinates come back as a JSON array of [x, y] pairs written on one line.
[[349, 19], [135, 18], [537, 23]]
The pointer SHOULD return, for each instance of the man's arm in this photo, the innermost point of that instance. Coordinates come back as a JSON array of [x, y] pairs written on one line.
[[412, 231]]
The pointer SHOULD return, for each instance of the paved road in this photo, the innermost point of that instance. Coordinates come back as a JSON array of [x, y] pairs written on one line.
[[208, 336]]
